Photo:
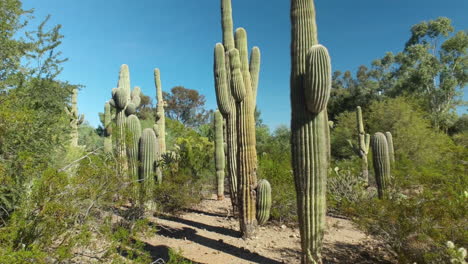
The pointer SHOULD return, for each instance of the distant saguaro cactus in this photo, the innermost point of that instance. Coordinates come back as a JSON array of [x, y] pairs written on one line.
[[75, 118], [263, 201], [219, 154], [363, 144], [381, 160], [310, 90], [107, 123], [160, 114]]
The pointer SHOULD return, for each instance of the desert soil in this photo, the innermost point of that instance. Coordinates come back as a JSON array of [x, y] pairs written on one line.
[[207, 234]]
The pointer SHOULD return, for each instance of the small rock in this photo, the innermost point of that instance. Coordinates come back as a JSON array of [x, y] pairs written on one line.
[[283, 227]]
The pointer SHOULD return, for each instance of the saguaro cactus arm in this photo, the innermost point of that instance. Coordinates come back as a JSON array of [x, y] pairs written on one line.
[[219, 154]]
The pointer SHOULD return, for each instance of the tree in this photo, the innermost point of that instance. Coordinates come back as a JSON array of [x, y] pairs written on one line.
[[186, 106], [432, 68]]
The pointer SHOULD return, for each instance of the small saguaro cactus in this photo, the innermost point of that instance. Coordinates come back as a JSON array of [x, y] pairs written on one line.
[[147, 155], [363, 145], [381, 160], [134, 129], [107, 122], [310, 91], [160, 114], [263, 201], [219, 154], [75, 118], [391, 150]]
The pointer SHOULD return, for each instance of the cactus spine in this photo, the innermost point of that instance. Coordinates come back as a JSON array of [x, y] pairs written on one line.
[[310, 89], [391, 150], [263, 201], [363, 144], [75, 118], [236, 88], [147, 155], [219, 154], [107, 122], [381, 160], [160, 115], [134, 129]]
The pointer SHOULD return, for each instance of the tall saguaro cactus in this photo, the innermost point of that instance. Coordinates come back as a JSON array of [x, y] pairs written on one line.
[[160, 114], [310, 90], [363, 144], [147, 155], [75, 118], [219, 154], [381, 160], [236, 88], [134, 128]]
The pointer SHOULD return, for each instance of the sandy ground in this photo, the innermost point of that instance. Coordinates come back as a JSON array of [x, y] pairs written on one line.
[[206, 234]]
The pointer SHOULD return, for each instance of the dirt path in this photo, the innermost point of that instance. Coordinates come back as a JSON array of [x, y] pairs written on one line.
[[206, 235]]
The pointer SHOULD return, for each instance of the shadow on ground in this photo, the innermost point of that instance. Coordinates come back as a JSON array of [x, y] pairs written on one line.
[[190, 234], [215, 229]]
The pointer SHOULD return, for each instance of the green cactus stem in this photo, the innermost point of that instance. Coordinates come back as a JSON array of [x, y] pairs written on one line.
[[225, 99], [107, 122], [391, 150], [363, 145], [381, 160], [160, 114], [147, 155], [75, 119], [263, 201], [219, 154], [310, 89], [134, 129]]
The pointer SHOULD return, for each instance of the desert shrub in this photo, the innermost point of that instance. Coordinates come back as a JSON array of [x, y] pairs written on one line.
[[274, 164], [62, 217]]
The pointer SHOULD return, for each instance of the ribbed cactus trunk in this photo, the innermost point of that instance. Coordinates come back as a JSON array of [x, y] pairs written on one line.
[[381, 161], [107, 128], [310, 89], [147, 154], [134, 130], [121, 97], [226, 103], [363, 145], [246, 150], [263, 201], [75, 118], [160, 114], [219, 154], [391, 150]]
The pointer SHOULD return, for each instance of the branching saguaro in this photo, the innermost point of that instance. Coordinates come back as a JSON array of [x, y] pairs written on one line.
[[75, 118], [363, 144], [310, 90], [236, 82]]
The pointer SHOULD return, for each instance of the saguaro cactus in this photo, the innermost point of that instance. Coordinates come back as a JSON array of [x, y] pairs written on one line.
[[263, 201], [147, 156], [75, 118], [134, 129], [363, 144], [125, 102], [219, 154], [107, 122], [236, 88], [160, 115], [391, 150], [310, 90], [381, 160]]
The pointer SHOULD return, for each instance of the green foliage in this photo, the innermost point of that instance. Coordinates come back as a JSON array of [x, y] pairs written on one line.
[[274, 164], [186, 106], [89, 138], [175, 257]]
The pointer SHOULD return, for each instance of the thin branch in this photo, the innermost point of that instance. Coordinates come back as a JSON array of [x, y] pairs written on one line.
[[84, 157]]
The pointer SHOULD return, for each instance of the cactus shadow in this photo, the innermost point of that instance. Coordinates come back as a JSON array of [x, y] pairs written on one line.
[[190, 234], [215, 229], [206, 213]]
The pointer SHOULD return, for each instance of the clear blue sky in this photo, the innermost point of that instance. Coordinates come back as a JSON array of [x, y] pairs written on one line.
[[178, 36]]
